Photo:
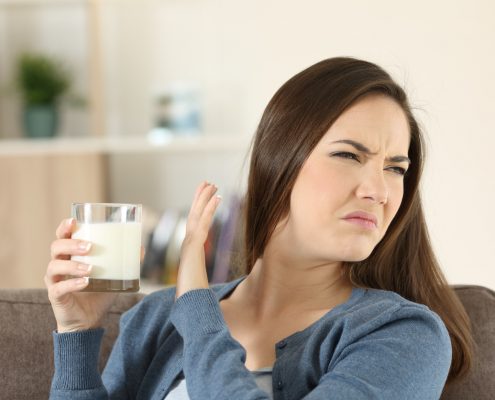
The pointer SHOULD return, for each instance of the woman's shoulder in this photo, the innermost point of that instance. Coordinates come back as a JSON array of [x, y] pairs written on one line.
[[388, 312], [372, 300], [378, 301], [395, 342]]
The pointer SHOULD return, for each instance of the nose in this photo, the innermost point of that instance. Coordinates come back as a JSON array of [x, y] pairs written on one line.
[[373, 186]]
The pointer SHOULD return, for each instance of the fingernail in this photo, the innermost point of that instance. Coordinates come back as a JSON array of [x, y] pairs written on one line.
[[84, 267], [84, 246], [219, 197], [82, 281], [70, 221]]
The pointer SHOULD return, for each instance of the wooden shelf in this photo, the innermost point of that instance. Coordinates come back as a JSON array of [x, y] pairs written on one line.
[[120, 145]]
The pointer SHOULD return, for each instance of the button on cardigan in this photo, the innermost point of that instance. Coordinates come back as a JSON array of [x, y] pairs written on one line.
[[376, 345]]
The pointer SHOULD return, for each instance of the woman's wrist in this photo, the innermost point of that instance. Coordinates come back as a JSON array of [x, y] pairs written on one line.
[[73, 329]]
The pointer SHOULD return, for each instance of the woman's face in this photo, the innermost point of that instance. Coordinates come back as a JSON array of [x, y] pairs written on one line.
[[357, 167]]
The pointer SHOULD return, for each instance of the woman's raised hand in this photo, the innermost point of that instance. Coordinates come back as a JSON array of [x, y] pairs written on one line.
[[73, 311], [192, 267]]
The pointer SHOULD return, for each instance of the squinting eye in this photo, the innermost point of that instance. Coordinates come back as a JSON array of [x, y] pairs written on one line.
[[398, 170], [346, 154]]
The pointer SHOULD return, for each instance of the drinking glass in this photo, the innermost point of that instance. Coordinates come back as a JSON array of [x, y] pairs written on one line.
[[114, 231]]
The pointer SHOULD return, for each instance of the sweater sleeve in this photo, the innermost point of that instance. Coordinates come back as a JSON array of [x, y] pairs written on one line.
[[76, 362], [407, 358], [76, 354], [76, 366]]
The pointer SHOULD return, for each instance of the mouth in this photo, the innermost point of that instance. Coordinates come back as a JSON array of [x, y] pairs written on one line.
[[362, 219]]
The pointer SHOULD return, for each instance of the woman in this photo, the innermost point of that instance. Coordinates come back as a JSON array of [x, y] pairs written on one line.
[[342, 297]]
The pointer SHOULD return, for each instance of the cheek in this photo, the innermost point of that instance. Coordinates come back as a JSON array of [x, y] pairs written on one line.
[[315, 195], [317, 183]]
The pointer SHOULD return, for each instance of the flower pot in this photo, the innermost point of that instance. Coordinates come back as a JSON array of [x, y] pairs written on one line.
[[40, 120]]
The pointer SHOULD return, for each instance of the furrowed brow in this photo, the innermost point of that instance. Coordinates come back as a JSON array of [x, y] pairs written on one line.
[[363, 149], [399, 159], [359, 146]]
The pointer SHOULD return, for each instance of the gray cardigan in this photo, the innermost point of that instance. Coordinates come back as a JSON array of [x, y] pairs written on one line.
[[377, 345]]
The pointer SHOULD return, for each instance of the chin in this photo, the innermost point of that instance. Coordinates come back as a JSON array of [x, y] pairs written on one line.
[[358, 259], [349, 249], [356, 254]]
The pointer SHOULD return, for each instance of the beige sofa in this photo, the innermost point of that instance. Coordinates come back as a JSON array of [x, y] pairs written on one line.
[[26, 359]]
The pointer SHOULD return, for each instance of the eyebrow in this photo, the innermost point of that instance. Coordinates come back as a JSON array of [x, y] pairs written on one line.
[[363, 149]]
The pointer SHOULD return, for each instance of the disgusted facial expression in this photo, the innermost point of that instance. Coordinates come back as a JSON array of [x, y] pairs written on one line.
[[351, 185]]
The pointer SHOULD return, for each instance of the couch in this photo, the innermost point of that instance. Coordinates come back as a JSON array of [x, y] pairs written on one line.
[[26, 358]]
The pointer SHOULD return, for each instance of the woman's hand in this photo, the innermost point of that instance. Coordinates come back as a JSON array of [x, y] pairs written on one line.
[[73, 311], [192, 267]]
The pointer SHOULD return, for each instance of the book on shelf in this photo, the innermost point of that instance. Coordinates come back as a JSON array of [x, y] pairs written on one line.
[[162, 255], [172, 254], [157, 244]]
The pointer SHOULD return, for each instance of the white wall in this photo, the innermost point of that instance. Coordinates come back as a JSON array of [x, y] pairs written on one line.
[[239, 52]]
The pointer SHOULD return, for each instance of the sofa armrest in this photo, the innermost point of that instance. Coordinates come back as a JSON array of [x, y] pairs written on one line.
[[26, 344]]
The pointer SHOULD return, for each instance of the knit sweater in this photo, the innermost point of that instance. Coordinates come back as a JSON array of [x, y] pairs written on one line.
[[376, 345]]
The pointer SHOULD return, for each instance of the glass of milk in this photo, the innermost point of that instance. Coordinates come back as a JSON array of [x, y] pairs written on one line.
[[114, 231]]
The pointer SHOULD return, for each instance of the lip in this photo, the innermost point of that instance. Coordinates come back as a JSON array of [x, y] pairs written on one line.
[[362, 218]]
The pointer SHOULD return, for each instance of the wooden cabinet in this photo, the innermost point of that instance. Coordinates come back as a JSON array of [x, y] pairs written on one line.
[[39, 179], [36, 192]]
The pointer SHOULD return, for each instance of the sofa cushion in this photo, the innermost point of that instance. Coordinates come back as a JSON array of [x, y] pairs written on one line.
[[26, 345], [479, 384]]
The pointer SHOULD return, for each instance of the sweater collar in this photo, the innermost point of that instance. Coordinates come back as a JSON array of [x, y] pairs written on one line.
[[222, 290]]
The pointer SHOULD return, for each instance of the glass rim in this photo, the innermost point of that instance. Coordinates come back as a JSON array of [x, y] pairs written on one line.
[[108, 204]]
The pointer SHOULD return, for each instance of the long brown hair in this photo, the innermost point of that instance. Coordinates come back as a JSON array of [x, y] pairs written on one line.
[[294, 121]]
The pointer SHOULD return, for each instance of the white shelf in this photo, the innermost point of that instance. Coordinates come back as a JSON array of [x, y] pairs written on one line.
[[123, 145], [22, 3]]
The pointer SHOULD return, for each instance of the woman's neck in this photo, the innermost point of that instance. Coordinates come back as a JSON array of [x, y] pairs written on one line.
[[275, 288]]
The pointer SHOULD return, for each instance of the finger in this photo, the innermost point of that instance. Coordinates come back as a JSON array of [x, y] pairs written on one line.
[[198, 208], [199, 232], [207, 217], [58, 269], [199, 189], [62, 249], [202, 186], [65, 228], [58, 291]]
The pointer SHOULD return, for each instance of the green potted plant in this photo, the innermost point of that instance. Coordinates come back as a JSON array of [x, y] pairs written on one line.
[[42, 81]]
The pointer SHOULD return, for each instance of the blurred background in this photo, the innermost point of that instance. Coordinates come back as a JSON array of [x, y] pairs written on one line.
[[140, 100]]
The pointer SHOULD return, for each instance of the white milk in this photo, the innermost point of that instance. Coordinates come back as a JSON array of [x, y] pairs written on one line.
[[116, 249]]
